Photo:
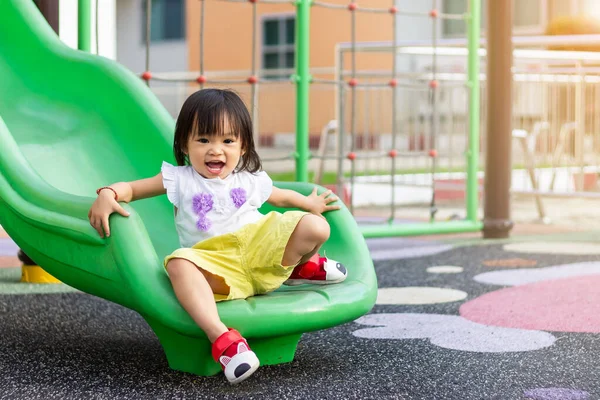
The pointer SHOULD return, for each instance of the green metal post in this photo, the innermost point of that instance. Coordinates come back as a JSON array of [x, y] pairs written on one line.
[[302, 88], [418, 228], [473, 35], [84, 23]]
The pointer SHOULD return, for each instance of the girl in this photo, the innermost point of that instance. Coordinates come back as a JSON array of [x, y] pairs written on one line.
[[228, 249]]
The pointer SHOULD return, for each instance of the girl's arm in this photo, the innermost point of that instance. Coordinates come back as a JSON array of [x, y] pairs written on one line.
[[140, 189], [314, 203], [106, 203]]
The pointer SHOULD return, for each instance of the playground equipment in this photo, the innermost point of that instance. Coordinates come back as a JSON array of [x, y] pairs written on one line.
[[528, 142], [71, 122], [33, 273]]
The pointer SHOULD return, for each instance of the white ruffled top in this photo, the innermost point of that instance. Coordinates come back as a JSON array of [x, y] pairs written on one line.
[[211, 207]]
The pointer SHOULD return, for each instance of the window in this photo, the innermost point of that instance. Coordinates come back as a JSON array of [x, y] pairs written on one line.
[[278, 51], [530, 16], [167, 19]]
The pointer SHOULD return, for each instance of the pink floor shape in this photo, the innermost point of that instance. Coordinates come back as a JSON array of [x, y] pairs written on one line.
[[561, 305]]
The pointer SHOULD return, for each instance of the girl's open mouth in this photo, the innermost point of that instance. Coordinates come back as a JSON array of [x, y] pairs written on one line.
[[215, 167]]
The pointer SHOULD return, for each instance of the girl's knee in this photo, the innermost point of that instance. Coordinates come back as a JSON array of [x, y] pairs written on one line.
[[317, 228], [177, 267]]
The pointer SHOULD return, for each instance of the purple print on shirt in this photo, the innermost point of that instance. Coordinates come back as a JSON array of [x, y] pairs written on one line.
[[203, 223], [202, 203], [238, 195]]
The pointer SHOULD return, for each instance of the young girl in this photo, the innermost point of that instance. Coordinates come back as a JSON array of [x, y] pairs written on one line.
[[228, 249]]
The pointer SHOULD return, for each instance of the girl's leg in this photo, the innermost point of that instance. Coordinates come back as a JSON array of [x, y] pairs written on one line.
[[310, 233], [194, 289]]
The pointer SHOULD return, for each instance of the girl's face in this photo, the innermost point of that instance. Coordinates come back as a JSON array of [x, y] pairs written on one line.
[[214, 156]]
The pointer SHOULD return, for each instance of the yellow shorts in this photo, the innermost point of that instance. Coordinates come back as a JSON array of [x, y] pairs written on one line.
[[249, 260]]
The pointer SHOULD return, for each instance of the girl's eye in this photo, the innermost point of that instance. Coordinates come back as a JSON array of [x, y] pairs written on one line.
[[228, 141], [203, 140]]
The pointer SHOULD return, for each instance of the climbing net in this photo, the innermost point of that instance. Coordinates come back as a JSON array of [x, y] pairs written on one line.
[[346, 85]]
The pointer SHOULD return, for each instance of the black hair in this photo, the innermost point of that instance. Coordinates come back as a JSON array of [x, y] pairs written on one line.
[[205, 112]]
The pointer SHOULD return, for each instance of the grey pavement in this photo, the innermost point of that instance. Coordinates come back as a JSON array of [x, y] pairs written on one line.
[[76, 346]]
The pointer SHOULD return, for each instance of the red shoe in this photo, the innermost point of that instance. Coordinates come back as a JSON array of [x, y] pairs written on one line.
[[233, 353], [319, 271]]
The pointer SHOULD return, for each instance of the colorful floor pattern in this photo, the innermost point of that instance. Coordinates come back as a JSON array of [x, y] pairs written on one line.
[[484, 321]]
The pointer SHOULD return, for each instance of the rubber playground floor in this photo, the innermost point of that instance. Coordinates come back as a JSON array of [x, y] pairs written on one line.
[[456, 318]]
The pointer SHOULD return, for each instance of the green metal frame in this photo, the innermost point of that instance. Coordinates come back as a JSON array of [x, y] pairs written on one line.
[[84, 25], [303, 78], [471, 223], [473, 34]]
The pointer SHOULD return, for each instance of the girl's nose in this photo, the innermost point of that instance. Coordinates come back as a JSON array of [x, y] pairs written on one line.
[[215, 149]]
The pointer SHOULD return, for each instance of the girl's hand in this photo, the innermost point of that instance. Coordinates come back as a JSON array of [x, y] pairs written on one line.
[[319, 203], [104, 205]]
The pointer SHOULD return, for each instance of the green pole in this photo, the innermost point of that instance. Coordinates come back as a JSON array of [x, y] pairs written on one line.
[[474, 26], [302, 87], [84, 23], [434, 228]]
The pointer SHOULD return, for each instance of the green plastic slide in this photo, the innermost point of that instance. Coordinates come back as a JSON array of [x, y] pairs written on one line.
[[71, 122]]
